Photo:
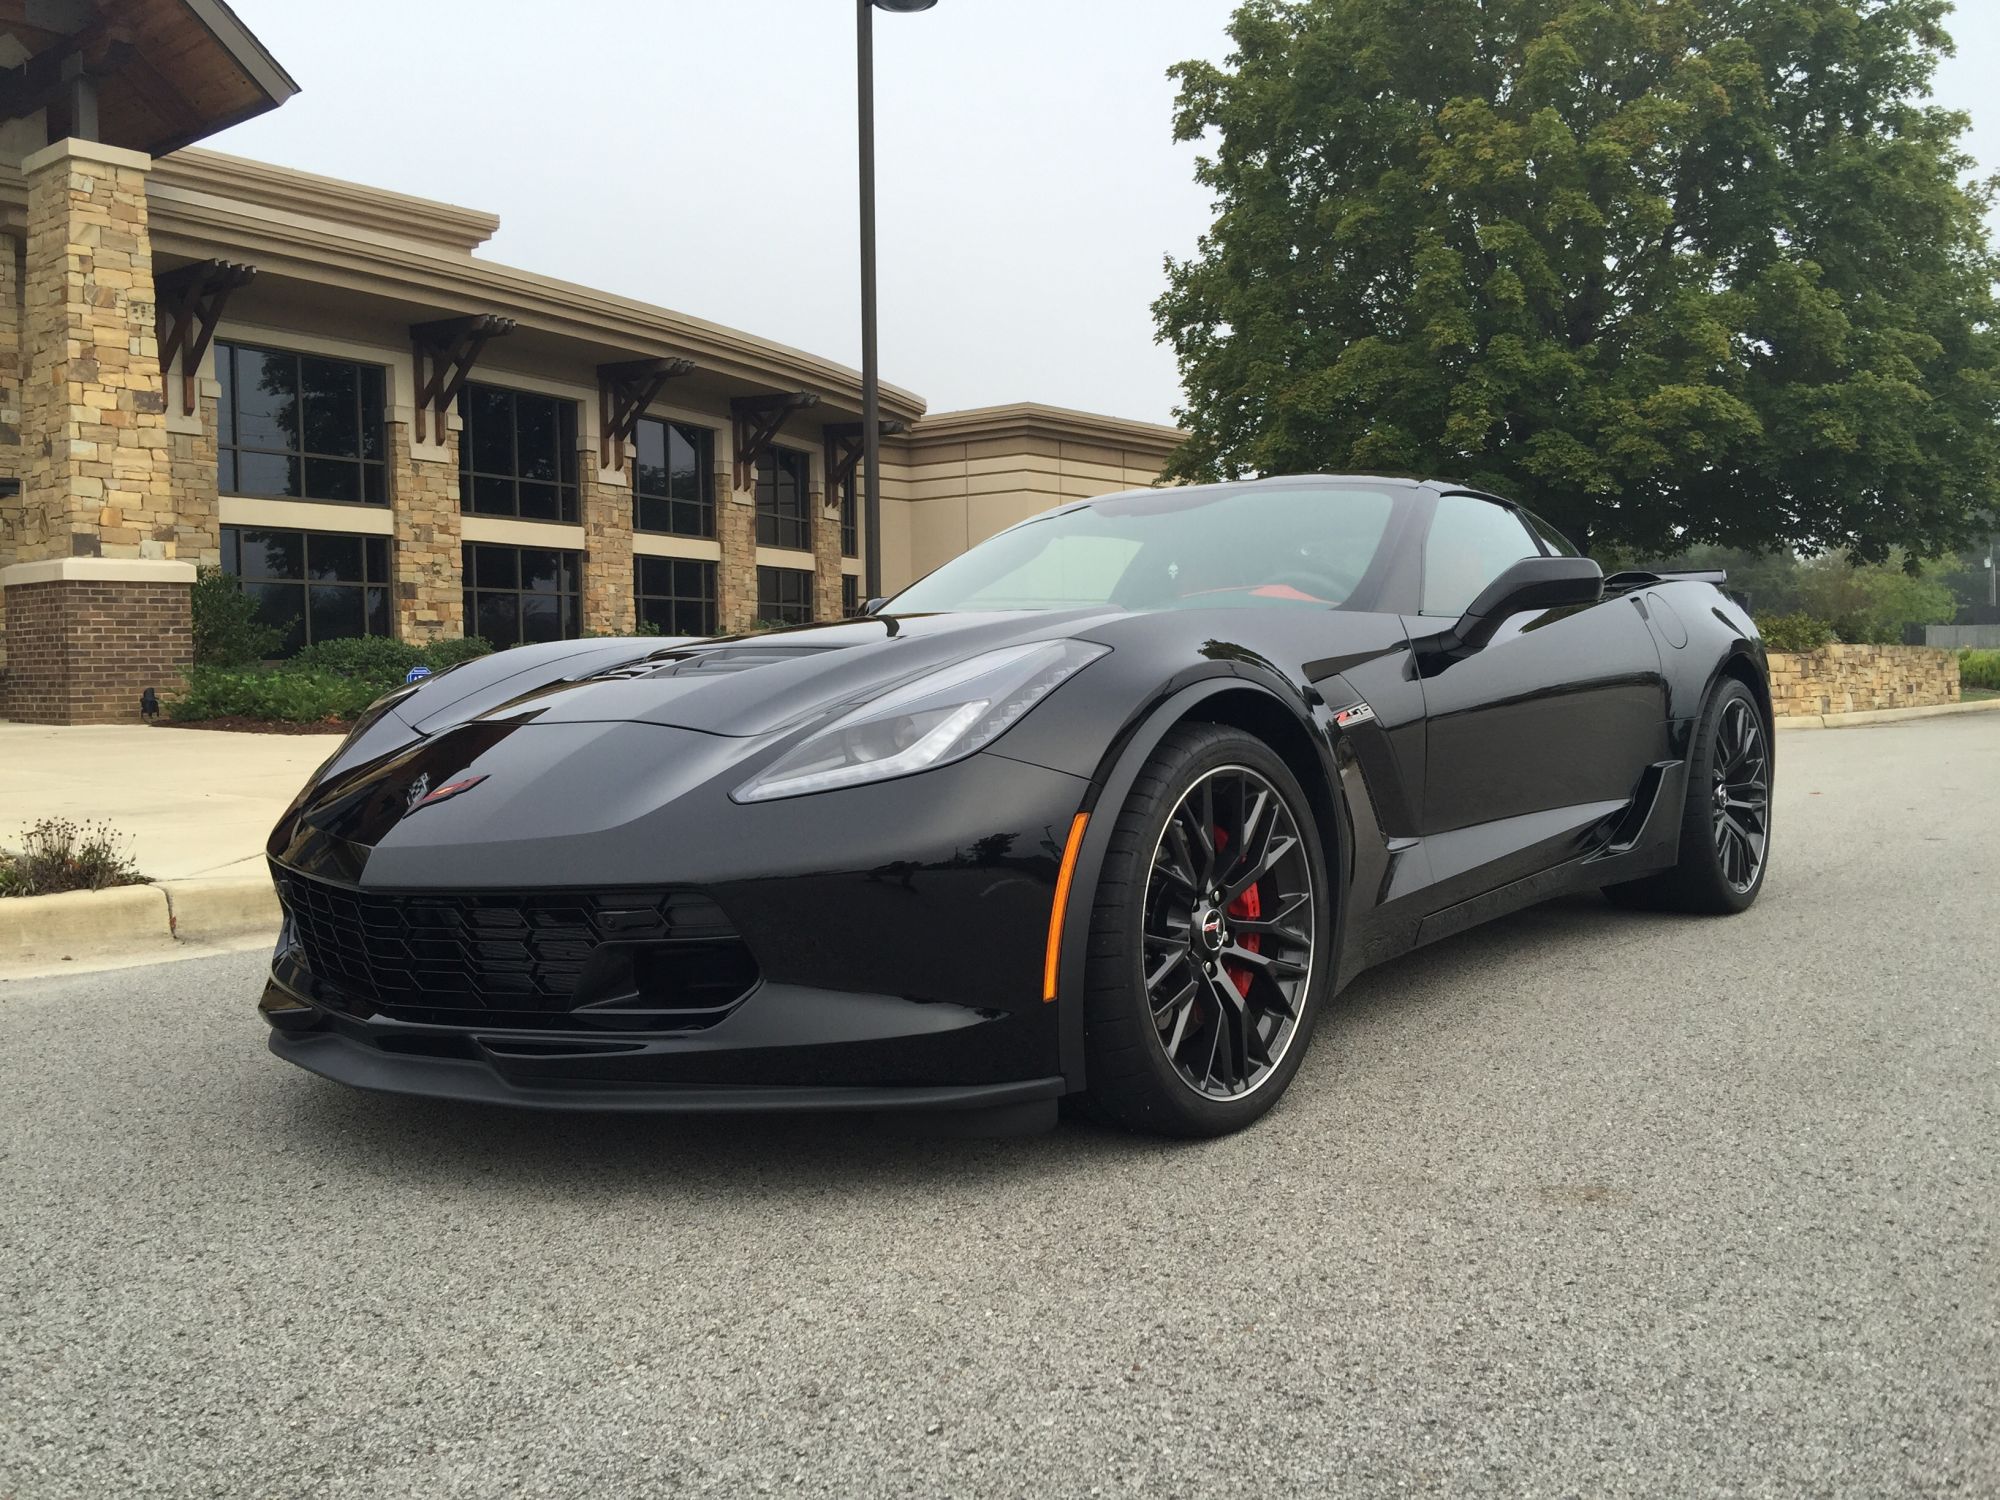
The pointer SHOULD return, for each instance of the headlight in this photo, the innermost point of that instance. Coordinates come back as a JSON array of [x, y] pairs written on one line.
[[942, 717]]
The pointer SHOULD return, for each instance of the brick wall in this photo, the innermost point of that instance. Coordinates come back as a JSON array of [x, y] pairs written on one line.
[[1845, 679], [84, 651]]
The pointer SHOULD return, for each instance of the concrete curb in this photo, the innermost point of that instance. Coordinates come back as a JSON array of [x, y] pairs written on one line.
[[1884, 715], [134, 921]]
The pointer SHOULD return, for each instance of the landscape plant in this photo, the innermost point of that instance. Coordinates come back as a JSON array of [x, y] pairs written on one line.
[[58, 855], [1979, 669]]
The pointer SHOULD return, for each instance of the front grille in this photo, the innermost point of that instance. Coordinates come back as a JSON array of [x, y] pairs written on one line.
[[626, 959]]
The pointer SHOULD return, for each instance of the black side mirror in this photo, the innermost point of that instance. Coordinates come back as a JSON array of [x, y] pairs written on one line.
[[1533, 583], [874, 606]]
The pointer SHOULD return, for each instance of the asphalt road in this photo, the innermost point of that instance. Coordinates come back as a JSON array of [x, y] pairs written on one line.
[[1585, 1203]]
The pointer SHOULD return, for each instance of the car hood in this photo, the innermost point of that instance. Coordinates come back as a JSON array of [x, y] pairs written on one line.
[[740, 686]]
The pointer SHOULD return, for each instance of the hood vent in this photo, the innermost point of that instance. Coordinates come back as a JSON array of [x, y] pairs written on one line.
[[722, 659]]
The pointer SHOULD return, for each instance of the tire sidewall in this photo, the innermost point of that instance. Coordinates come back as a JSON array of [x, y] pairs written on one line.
[[1698, 829]]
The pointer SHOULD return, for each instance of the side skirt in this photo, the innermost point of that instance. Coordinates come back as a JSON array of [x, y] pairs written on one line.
[[1644, 840]]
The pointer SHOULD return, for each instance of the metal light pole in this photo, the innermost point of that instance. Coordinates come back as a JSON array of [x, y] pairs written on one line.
[[871, 374]]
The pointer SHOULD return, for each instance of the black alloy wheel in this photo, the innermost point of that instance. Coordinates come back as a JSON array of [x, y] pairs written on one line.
[[1228, 933], [1740, 795], [1725, 837], [1211, 938]]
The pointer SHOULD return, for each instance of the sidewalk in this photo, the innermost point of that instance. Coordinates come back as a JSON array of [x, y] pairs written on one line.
[[191, 803]]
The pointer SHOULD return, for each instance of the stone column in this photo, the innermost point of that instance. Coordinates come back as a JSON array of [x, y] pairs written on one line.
[[97, 486], [826, 557], [10, 417], [736, 574], [604, 499], [423, 493]]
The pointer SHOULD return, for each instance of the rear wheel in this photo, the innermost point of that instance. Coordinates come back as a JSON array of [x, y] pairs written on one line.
[[1725, 842], [1210, 939]]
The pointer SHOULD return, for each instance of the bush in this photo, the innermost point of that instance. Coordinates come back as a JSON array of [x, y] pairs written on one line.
[[57, 855], [379, 659], [1794, 632], [227, 632], [441, 656], [1979, 669], [287, 695]]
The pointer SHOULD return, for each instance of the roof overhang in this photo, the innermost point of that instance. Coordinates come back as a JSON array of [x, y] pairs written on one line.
[[160, 73]]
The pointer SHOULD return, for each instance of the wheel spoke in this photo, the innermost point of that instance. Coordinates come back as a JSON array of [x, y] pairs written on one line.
[[1227, 992]]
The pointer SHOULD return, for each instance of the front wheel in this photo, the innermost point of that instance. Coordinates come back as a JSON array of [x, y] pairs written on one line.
[[1210, 939], [1725, 842]]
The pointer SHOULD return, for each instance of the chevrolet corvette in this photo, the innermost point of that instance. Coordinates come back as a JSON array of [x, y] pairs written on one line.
[[1109, 808]]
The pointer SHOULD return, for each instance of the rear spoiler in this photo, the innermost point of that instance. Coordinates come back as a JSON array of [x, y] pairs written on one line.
[[1639, 578]]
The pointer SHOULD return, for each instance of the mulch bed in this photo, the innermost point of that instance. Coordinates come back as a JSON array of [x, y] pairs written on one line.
[[238, 724]]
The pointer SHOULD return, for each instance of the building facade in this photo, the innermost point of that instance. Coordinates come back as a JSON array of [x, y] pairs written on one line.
[[323, 389]]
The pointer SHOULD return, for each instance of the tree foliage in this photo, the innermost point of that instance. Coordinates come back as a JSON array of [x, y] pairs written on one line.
[[1667, 271]]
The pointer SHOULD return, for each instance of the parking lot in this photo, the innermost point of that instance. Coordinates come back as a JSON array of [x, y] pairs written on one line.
[[1583, 1203]]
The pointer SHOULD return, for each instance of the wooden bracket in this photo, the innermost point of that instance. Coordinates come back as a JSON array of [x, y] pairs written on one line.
[[844, 451], [443, 354], [188, 303], [624, 391], [758, 419]]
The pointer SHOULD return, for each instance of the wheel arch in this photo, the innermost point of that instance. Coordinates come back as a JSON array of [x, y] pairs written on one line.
[[1239, 702]]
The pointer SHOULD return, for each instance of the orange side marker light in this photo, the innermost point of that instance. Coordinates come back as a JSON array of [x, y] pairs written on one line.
[[1063, 876]]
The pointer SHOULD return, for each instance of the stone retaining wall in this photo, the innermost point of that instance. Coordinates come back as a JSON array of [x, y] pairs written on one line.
[[1847, 679]]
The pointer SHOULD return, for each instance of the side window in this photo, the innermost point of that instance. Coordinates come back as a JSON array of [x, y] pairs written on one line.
[[1558, 544], [1472, 542]]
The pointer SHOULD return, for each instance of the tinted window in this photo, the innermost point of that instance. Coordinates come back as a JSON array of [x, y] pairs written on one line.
[[1472, 542], [673, 482], [313, 585], [1246, 546], [515, 595], [783, 494], [296, 426], [784, 596], [676, 595], [517, 454]]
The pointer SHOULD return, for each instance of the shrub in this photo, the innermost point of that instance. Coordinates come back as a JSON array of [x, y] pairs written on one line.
[[379, 659], [439, 656], [1794, 632], [57, 855], [227, 632], [1979, 669], [288, 695]]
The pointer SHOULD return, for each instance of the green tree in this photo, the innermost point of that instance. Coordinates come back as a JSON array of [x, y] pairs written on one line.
[[1668, 271]]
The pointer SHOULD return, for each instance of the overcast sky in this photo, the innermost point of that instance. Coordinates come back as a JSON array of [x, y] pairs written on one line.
[[699, 154]]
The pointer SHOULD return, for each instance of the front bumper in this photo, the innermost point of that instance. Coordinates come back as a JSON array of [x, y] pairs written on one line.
[[898, 934]]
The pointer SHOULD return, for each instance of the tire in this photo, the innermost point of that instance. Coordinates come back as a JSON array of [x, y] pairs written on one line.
[[1270, 947], [1725, 839]]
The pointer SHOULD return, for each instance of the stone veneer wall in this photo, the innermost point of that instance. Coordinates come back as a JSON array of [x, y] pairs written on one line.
[[10, 414], [1845, 679], [736, 574], [192, 470], [94, 434], [826, 559], [423, 491], [79, 646], [606, 509]]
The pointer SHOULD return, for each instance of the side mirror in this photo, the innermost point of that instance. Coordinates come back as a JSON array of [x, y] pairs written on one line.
[[874, 606], [1533, 583]]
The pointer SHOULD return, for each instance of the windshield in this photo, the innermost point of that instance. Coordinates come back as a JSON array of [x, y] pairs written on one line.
[[1225, 547]]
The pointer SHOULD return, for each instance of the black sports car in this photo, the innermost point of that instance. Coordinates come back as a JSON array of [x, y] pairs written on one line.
[[1109, 806]]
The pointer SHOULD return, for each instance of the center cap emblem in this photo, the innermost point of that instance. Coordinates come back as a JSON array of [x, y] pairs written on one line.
[[1211, 929]]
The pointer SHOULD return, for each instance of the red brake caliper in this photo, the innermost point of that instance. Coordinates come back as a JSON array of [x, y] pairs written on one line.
[[1247, 907]]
